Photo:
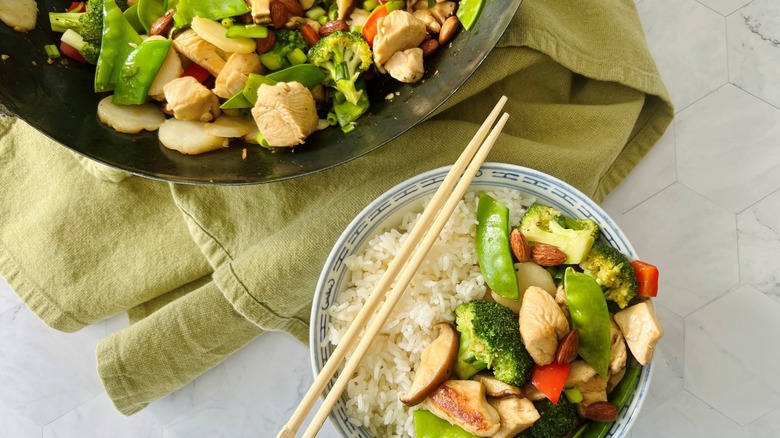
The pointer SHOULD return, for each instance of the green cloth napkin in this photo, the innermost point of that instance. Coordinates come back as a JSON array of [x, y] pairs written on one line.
[[202, 270]]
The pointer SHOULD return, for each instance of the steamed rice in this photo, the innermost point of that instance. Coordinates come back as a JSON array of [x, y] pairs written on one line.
[[448, 276]]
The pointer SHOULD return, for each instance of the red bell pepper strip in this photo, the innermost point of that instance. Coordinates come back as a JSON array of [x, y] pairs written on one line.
[[77, 7], [369, 29], [199, 73], [70, 52], [549, 379], [647, 276]]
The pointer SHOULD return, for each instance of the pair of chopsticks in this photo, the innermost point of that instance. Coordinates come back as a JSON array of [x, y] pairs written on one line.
[[401, 269]]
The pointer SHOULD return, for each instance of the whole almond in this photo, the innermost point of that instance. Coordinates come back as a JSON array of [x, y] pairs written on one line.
[[567, 348], [279, 14], [333, 26], [265, 44], [448, 29], [547, 255], [517, 242], [603, 411], [294, 7], [163, 24], [428, 47]]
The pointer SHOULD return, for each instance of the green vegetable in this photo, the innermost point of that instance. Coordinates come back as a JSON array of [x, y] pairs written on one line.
[[150, 11], [590, 316], [248, 31], [618, 397], [51, 51], [556, 419], [580, 224], [540, 224], [427, 425], [490, 338], [469, 11], [296, 57], [227, 22], [236, 102], [316, 12], [573, 395], [308, 75], [612, 270], [119, 39], [346, 112], [287, 40], [131, 14], [139, 70], [88, 27], [343, 56], [495, 257], [186, 10]]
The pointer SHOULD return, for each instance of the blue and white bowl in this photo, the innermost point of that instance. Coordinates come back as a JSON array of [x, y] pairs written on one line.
[[386, 212]]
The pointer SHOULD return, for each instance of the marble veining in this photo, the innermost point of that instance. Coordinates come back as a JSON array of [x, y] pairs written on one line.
[[704, 205]]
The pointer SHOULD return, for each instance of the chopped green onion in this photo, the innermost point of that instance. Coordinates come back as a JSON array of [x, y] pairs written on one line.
[[227, 22], [431, 3], [354, 28], [316, 12], [573, 394], [333, 12], [262, 141], [52, 51], [370, 5], [296, 57], [248, 31], [346, 129], [332, 119], [322, 20], [272, 61]]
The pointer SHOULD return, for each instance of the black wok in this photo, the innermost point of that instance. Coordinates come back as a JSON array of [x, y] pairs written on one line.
[[59, 101]]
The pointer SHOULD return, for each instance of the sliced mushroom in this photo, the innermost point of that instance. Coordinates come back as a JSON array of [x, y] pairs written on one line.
[[542, 324], [641, 328], [261, 11], [463, 403], [496, 388], [435, 365], [344, 8], [580, 372], [517, 415]]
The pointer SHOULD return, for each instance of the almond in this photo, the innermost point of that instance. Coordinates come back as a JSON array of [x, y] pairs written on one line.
[[294, 7], [333, 26], [265, 44], [517, 242], [448, 29], [547, 255], [601, 411], [279, 14], [567, 348], [163, 24], [428, 47]]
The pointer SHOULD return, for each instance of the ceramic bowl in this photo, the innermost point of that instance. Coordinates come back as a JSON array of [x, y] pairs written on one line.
[[386, 212]]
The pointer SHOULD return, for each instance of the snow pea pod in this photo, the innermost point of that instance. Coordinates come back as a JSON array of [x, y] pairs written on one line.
[[186, 10], [150, 11], [346, 111], [308, 75], [119, 39], [618, 397], [493, 253], [590, 316], [139, 70], [427, 425]]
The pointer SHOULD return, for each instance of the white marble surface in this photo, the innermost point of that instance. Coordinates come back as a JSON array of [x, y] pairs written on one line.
[[704, 204]]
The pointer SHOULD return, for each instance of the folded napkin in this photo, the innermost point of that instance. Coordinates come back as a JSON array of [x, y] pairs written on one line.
[[202, 270]]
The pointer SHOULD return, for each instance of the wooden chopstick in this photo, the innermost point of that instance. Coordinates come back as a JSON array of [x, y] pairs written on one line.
[[467, 165]]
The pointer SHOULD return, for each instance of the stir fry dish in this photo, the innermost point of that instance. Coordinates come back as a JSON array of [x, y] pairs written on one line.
[[556, 346], [270, 72]]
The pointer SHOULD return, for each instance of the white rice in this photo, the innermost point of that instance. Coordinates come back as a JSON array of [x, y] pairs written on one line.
[[449, 276]]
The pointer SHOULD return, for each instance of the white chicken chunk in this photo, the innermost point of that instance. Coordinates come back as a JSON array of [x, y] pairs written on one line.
[[285, 113], [463, 403], [234, 74], [641, 328], [188, 99], [19, 14], [424, 15], [517, 415], [396, 32], [594, 390], [406, 66], [200, 51], [542, 324], [617, 351]]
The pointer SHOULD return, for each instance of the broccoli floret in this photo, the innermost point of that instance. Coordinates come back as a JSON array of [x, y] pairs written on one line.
[[343, 56], [613, 271], [556, 419], [490, 338], [580, 224], [89, 51], [290, 47], [540, 224], [81, 30]]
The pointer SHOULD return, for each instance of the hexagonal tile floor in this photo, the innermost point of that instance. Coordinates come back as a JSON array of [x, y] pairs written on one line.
[[704, 205]]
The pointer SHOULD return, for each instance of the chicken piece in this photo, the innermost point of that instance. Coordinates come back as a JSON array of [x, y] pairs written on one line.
[[579, 373], [517, 415], [396, 32], [406, 66], [463, 403], [617, 351], [496, 388], [431, 24], [442, 11], [614, 379], [188, 99], [344, 8], [594, 390], [641, 328], [200, 51], [233, 76], [261, 11], [542, 324], [19, 14], [285, 113]]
